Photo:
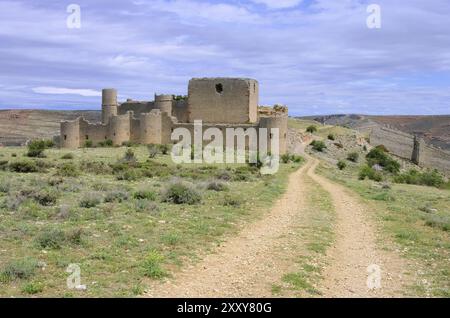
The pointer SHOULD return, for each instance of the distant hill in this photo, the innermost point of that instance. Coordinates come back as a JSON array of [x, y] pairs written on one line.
[[434, 129], [18, 126]]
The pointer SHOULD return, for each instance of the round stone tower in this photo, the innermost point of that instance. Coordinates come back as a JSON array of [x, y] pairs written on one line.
[[109, 104], [164, 103]]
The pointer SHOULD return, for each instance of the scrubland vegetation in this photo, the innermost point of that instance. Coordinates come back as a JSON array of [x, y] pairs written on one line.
[[126, 216]]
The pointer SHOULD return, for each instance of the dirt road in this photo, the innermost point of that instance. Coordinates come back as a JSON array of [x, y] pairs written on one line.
[[247, 265]]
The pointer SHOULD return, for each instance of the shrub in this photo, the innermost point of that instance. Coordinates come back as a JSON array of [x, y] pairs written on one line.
[[353, 156], [88, 144], [318, 145], [89, 201], [286, 158], [165, 149], [224, 175], [3, 165], [216, 185], [440, 222], [371, 173], [331, 137], [341, 165], [24, 166], [36, 148], [33, 288], [51, 238], [68, 169], [5, 186], [311, 129], [45, 197], [106, 143], [13, 155], [152, 265], [131, 174], [153, 150], [180, 192], [377, 156], [230, 200], [129, 156], [67, 156], [145, 195], [146, 206], [96, 167], [19, 269], [429, 178], [74, 236], [116, 196]]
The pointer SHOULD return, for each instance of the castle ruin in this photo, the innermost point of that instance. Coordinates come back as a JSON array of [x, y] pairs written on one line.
[[219, 102]]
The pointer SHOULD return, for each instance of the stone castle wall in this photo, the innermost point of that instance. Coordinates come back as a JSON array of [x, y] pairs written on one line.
[[404, 146], [219, 102], [222, 100]]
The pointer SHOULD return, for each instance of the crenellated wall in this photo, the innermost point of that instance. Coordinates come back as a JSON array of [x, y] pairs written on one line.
[[219, 102]]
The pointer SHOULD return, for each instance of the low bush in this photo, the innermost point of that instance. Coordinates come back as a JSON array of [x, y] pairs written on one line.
[[311, 129], [88, 144], [353, 157], [3, 165], [331, 137], [153, 151], [145, 195], [68, 169], [106, 143], [24, 166], [151, 265], [19, 269], [67, 156], [341, 165], [371, 173], [146, 206], [165, 149], [318, 145], [431, 178], [116, 196], [216, 185], [33, 288], [378, 156], [45, 197], [36, 148], [90, 200], [231, 200], [52, 238], [180, 192]]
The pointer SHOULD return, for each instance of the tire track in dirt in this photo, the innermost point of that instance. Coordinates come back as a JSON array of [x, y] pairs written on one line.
[[355, 249], [248, 264]]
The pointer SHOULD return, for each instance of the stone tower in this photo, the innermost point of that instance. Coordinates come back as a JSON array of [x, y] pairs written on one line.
[[164, 103], [109, 104]]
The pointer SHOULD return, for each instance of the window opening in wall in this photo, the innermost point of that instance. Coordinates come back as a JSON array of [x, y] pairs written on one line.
[[65, 137], [270, 135], [87, 137], [219, 88]]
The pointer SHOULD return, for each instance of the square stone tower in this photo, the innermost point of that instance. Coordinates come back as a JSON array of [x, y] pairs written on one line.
[[223, 100]]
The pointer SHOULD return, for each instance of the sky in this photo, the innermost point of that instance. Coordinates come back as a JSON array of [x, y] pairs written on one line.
[[315, 56]]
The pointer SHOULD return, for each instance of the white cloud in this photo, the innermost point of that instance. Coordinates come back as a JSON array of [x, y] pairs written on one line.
[[66, 91], [279, 4]]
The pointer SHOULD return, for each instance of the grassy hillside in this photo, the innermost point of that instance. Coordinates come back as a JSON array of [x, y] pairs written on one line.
[[17, 126]]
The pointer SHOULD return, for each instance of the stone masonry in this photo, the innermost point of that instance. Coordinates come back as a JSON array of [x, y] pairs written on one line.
[[218, 102]]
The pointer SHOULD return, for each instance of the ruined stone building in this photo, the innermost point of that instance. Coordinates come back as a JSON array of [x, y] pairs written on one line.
[[218, 102]]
